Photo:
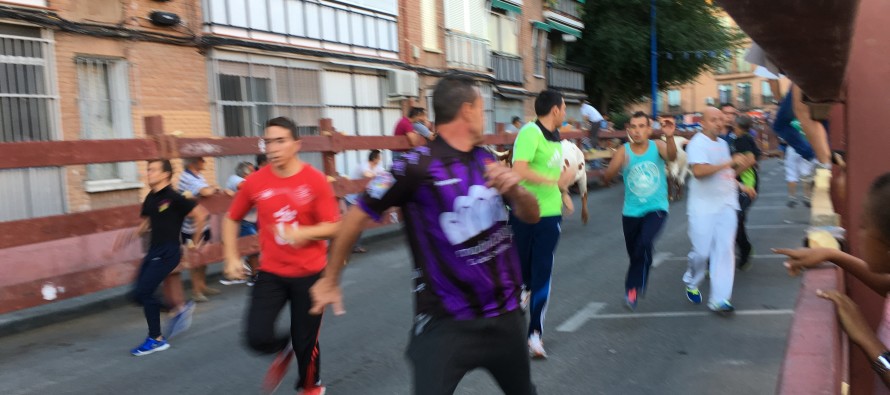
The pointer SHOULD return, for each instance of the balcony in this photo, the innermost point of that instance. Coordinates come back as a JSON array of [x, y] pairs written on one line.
[[467, 52], [507, 68], [561, 76], [570, 8]]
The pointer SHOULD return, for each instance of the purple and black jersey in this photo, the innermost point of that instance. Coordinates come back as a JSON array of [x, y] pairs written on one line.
[[465, 263]]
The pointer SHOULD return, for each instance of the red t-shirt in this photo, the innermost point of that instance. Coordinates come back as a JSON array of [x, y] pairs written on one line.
[[402, 129], [305, 198]]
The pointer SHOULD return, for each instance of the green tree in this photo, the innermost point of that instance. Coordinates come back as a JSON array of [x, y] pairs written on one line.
[[615, 47]]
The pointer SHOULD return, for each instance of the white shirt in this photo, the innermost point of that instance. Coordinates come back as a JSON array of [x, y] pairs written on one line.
[[359, 173], [232, 184], [193, 183], [590, 114], [711, 194]]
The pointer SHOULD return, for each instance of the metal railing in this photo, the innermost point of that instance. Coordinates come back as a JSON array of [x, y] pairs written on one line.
[[507, 68], [562, 76], [467, 52]]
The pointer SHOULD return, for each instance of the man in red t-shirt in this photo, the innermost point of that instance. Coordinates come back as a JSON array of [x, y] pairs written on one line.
[[296, 212]]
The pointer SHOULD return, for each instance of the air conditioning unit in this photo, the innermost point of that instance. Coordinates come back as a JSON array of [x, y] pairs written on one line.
[[402, 83]]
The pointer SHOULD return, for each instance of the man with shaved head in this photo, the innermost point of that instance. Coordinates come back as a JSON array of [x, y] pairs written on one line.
[[712, 205]]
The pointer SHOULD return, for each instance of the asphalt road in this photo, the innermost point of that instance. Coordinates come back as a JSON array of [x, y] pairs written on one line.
[[596, 346]]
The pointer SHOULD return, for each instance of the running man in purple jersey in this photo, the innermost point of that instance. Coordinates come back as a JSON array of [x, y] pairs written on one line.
[[466, 270]]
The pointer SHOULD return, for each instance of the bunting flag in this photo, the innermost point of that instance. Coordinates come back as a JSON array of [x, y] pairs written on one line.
[[699, 54]]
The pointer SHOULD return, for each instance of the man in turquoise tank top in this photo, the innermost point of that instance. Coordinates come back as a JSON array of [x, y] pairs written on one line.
[[642, 162]]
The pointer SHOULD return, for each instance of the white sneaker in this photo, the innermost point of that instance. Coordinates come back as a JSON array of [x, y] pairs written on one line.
[[524, 298], [536, 346]]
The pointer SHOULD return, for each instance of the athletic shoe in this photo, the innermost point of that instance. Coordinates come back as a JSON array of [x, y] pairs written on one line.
[[181, 321], [199, 297], [150, 346], [211, 291], [806, 202], [723, 307], [278, 369], [225, 281], [251, 280], [694, 295], [316, 390], [630, 299], [536, 346], [524, 298], [792, 202]]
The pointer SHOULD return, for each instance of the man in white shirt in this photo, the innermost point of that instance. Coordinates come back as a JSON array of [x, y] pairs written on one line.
[[712, 205], [592, 119]]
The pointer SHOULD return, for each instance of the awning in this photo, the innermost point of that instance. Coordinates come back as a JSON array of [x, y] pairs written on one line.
[[564, 28], [511, 93], [506, 6], [821, 30], [541, 26]]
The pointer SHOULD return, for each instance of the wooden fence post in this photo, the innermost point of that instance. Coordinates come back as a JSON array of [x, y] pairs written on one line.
[[326, 127]]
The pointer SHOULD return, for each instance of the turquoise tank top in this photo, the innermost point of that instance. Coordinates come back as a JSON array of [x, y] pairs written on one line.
[[645, 182]]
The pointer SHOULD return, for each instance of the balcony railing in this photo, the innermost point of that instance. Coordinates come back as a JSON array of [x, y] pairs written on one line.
[[562, 76], [467, 52], [507, 68], [567, 7]]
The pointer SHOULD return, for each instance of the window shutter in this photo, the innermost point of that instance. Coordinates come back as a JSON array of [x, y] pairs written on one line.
[[430, 24]]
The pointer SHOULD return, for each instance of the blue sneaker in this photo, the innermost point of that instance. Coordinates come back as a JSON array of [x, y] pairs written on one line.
[[723, 307], [181, 321], [694, 295], [150, 346]]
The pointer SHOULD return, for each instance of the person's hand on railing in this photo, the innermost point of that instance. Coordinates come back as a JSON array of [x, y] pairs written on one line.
[[853, 322]]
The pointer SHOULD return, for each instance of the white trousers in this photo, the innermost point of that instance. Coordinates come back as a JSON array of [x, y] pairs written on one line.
[[713, 240]]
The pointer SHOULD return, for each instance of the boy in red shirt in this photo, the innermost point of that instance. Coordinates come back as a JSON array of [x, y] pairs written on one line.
[[296, 211]]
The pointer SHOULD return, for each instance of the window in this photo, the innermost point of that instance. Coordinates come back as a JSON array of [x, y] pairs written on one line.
[[373, 26], [674, 100], [28, 112], [741, 63], [539, 47], [766, 93], [725, 93], [430, 24], [104, 103], [744, 95], [248, 90], [502, 32], [464, 16]]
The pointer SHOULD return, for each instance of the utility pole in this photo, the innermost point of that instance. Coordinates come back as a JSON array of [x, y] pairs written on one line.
[[654, 62]]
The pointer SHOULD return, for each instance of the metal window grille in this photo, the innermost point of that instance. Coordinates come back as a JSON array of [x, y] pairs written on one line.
[[28, 112]]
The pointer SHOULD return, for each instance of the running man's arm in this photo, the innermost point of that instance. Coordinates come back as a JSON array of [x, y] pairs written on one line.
[[615, 165], [668, 148], [525, 205], [388, 189], [124, 239]]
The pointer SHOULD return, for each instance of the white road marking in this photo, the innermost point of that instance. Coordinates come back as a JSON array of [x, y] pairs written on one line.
[[762, 256], [675, 314], [582, 316], [783, 226], [660, 257]]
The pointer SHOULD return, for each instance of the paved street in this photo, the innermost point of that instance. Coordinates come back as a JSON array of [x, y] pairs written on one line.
[[596, 346]]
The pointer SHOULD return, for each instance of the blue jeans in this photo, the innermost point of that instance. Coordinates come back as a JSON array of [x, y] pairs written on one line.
[[156, 266], [536, 244], [639, 238]]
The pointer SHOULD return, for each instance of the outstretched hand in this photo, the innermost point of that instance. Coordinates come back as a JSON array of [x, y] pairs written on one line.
[[326, 292], [803, 258]]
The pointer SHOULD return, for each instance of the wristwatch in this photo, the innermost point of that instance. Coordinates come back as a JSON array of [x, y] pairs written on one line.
[[881, 364]]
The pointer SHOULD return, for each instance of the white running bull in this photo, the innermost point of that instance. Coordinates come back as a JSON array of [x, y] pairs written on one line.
[[573, 157]]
